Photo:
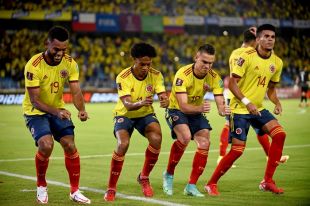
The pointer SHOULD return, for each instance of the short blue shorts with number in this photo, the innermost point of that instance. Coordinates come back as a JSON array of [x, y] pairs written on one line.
[[40, 125], [195, 122], [240, 124], [128, 124]]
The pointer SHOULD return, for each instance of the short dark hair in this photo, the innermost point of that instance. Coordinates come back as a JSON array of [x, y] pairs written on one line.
[[58, 32], [207, 48], [143, 50], [265, 27], [248, 36]]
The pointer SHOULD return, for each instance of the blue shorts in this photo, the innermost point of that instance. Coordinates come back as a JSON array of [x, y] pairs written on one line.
[[195, 122], [128, 124], [240, 124], [40, 125]]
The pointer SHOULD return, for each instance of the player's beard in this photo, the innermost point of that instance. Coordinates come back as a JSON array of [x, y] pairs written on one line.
[[53, 59]]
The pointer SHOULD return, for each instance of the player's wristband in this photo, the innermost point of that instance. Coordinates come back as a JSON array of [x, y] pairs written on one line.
[[245, 101]]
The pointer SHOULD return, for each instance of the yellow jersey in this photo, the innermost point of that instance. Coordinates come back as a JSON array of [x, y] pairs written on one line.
[[233, 58], [129, 85], [256, 72], [185, 81], [50, 79]]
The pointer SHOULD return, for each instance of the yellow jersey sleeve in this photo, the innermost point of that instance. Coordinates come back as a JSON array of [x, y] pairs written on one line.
[[74, 71], [32, 76], [278, 70], [180, 83], [218, 86], [123, 88], [159, 84]]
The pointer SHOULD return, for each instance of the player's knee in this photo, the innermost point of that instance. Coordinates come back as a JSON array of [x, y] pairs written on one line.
[[204, 143], [46, 146], [155, 140], [123, 145], [69, 147], [185, 140]]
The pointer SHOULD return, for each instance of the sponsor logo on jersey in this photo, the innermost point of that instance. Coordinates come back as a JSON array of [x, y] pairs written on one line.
[[240, 62], [63, 73], [149, 88], [179, 82]]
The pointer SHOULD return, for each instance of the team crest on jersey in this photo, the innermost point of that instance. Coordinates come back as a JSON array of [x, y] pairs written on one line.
[[206, 87], [29, 76], [175, 118], [120, 120], [149, 88], [272, 68], [238, 131], [240, 62], [179, 82], [63, 73]]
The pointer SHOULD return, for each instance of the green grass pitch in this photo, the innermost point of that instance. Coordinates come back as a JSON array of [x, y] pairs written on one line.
[[96, 142]]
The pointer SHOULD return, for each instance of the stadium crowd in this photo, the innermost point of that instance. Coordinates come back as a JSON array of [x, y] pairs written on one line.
[[236, 8], [101, 57]]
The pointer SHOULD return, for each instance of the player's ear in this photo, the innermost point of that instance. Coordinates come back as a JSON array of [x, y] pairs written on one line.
[[46, 42], [195, 57]]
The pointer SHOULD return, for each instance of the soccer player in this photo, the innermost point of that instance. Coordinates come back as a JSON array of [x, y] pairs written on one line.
[[186, 116], [44, 109], [136, 86], [302, 80], [249, 42], [256, 73]]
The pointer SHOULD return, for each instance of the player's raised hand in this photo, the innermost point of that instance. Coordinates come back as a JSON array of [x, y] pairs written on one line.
[[83, 116], [206, 107], [63, 114]]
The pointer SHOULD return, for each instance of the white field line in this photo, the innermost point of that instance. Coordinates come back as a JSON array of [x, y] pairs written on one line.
[[140, 154], [120, 195]]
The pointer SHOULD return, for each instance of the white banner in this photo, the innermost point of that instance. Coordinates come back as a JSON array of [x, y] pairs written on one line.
[[274, 22], [230, 21], [302, 24], [194, 20]]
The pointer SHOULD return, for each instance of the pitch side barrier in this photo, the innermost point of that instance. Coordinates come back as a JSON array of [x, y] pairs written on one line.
[[101, 96]]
